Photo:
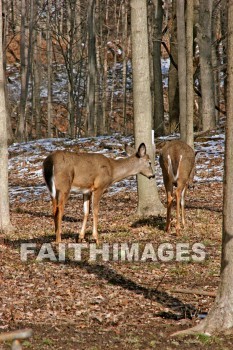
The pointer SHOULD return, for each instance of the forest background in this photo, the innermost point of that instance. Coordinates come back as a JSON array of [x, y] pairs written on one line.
[[69, 72]]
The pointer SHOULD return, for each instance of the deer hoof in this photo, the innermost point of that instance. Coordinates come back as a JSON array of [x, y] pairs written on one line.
[[94, 240]]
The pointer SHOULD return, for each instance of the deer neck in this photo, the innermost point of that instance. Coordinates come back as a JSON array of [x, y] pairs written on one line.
[[123, 168]]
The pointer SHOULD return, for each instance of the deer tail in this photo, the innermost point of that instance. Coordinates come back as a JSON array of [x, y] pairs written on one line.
[[48, 172], [171, 169]]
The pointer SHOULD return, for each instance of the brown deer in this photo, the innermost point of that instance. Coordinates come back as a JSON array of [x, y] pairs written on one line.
[[92, 174], [177, 160]]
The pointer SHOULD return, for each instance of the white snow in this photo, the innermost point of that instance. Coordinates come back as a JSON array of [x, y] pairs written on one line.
[[25, 162]]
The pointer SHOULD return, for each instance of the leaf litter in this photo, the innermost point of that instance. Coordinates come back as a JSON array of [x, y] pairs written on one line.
[[113, 304]]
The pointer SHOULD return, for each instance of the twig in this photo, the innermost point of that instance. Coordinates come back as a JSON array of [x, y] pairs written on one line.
[[194, 291], [161, 280], [21, 334]]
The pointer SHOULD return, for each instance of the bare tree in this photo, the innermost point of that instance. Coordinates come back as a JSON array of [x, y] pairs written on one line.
[[181, 43], [220, 317], [157, 73], [105, 71], [173, 87], [5, 223], [49, 67], [23, 70], [207, 79], [149, 202], [124, 68], [5, 29], [36, 85], [189, 74], [91, 127]]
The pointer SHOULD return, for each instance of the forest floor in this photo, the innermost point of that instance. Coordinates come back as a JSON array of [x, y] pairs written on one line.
[[92, 305]]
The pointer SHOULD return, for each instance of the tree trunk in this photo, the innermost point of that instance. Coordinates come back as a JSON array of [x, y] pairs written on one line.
[[157, 73], [91, 70], [223, 18], [173, 88], [5, 224], [114, 67], [26, 64], [189, 74], [21, 125], [215, 59], [148, 199], [181, 43], [220, 317], [124, 67], [70, 65], [207, 78], [37, 85], [10, 136], [78, 31], [105, 73], [98, 90], [49, 68]]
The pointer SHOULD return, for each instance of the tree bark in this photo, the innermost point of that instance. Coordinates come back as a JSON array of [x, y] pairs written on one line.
[[49, 67], [173, 87], [70, 65], [6, 9], [207, 79], [37, 85], [148, 199], [189, 74], [105, 73], [21, 126], [181, 43], [157, 73], [220, 317], [91, 70], [223, 18], [5, 223], [124, 66]]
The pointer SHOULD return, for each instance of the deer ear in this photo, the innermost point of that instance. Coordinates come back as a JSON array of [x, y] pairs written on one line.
[[141, 150], [129, 150]]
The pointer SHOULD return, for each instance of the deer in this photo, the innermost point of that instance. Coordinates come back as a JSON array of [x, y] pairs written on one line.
[[177, 160], [92, 174]]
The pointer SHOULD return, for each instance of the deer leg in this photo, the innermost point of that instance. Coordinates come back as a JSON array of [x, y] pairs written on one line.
[[58, 209], [169, 208], [56, 219], [96, 196], [86, 210], [182, 205], [54, 203], [178, 200]]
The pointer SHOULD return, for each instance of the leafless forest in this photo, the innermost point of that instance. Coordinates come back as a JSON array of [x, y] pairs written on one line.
[[70, 84], [69, 70]]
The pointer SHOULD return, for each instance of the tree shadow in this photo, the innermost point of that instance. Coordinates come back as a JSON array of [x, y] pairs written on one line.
[[48, 215], [16, 244], [151, 221], [179, 310], [203, 207]]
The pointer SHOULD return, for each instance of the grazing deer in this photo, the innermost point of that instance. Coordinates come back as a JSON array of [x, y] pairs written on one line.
[[92, 174], [177, 161]]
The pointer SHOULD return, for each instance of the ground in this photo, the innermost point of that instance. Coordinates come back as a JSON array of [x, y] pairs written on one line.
[[100, 304]]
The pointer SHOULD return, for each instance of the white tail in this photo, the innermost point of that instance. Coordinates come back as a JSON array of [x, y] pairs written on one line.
[[92, 174], [177, 161]]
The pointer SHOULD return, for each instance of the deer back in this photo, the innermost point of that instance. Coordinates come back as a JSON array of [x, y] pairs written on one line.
[[177, 161]]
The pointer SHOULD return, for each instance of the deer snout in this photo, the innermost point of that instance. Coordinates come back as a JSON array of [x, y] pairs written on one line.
[[151, 177]]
